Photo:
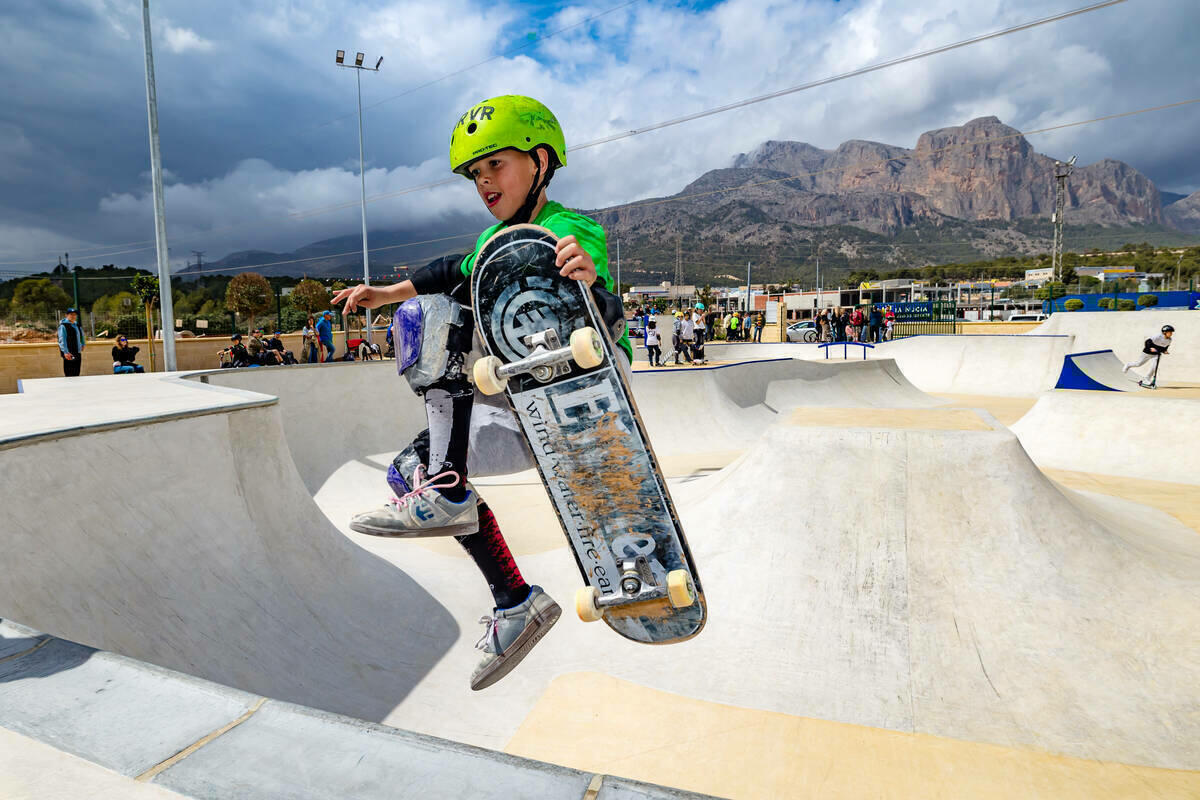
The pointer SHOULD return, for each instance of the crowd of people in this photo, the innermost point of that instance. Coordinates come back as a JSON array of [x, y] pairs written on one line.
[[875, 325], [316, 346]]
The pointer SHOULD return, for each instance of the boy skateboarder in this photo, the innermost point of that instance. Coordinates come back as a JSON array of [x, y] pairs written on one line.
[[509, 147]]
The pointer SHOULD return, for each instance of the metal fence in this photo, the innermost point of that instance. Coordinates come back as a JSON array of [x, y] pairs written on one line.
[[923, 318]]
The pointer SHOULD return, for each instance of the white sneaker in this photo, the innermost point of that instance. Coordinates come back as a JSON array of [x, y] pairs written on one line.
[[511, 633], [424, 511]]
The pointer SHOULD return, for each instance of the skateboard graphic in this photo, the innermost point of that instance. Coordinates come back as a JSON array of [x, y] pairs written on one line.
[[549, 351]]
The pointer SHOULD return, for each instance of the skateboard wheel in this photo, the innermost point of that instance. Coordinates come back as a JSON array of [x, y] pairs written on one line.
[[585, 604], [680, 590], [586, 349], [485, 375]]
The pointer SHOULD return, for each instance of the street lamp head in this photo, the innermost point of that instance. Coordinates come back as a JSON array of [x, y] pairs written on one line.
[[377, 63], [358, 59], [341, 56]]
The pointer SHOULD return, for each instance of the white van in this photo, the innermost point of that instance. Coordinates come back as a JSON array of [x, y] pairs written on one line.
[[1027, 318]]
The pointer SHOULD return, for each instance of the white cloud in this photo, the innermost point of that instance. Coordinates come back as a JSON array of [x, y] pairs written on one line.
[[637, 66], [185, 40]]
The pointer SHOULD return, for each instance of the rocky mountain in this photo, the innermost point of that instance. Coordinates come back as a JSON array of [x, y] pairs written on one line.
[[981, 171], [963, 193], [1185, 214]]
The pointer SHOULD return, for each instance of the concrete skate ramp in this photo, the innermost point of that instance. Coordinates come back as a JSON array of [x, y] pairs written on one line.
[[1124, 332], [190, 542], [930, 581], [936, 581], [1098, 370], [1133, 435], [996, 365], [336, 413]]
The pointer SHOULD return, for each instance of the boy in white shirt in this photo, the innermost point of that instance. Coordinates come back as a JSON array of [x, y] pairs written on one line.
[[1152, 350]]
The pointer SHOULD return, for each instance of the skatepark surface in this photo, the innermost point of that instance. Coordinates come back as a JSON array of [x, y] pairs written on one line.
[[904, 603]]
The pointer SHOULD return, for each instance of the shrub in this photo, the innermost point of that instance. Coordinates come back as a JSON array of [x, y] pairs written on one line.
[[1125, 304], [1074, 304], [1148, 300], [1105, 303]]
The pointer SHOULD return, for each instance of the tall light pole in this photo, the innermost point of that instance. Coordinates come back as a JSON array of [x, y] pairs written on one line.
[[1061, 173], [357, 66], [165, 304]]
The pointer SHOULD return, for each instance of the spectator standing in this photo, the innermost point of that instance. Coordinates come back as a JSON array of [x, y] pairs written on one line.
[[875, 323], [710, 324], [308, 341], [653, 343], [325, 335], [760, 322], [681, 337], [71, 343], [889, 323], [856, 325], [841, 325], [698, 334], [735, 322], [124, 357]]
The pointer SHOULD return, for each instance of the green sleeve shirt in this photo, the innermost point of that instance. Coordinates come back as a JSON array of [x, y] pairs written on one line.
[[561, 222]]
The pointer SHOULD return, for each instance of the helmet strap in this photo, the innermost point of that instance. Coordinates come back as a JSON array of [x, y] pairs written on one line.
[[540, 182]]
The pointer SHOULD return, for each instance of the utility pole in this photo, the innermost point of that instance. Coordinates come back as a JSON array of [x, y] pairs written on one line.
[[618, 268], [678, 280], [165, 303], [747, 287], [1061, 173], [358, 68]]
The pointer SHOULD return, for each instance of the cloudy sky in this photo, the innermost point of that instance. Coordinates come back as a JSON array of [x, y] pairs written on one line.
[[259, 135]]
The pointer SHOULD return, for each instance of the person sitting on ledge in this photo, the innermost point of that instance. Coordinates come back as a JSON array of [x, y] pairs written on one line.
[[124, 357]]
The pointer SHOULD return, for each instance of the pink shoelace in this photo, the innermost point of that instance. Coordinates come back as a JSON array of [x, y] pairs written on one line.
[[424, 482]]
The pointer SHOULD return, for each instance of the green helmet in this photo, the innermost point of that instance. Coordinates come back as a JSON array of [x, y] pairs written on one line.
[[510, 120]]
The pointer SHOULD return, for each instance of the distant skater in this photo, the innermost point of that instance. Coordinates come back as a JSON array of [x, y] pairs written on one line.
[[1153, 349]]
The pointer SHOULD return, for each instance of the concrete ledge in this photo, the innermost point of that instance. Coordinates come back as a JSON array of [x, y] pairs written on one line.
[[204, 740]]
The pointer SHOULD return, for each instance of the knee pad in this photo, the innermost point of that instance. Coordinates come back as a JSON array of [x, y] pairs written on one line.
[[433, 335], [404, 465]]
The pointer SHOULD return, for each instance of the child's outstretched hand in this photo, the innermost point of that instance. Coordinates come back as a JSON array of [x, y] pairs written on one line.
[[360, 296], [574, 261]]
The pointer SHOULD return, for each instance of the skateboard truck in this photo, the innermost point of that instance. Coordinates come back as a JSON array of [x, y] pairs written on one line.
[[637, 585], [547, 360]]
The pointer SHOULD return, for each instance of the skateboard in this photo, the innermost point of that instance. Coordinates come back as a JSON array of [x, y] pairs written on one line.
[[550, 353]]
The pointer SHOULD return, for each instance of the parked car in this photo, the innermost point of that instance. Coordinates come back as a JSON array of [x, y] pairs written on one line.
[[803, 331], [1027, 317]]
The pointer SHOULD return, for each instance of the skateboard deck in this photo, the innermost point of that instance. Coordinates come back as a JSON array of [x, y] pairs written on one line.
[[579, 417]]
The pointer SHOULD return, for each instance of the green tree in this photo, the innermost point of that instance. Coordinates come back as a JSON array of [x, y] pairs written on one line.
[[1074, 304], [1125, 304], [1148, 300], [39, 297], [310, 296], [1106, 303], [1050, 290], [248, 294], [114, 305]]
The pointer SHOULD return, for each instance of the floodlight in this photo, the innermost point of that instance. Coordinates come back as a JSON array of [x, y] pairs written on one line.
[[377, 63], [358, 59], [341, 56]]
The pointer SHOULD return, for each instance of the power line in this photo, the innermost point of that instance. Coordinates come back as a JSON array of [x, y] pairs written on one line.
[[642, 204], [305, 214], [915, 154], [752, 100]]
